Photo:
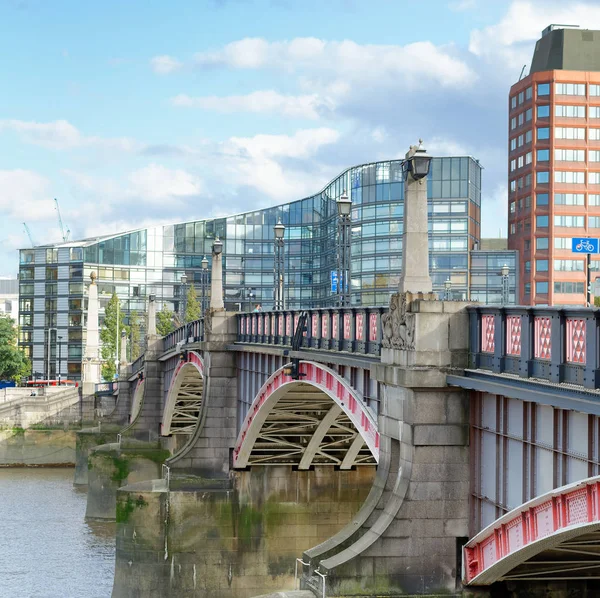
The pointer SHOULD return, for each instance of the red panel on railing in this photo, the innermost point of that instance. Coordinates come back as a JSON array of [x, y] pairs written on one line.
[[513, 335], [280, 331], [360, 327], [373, 327], [488, 330], [253, 324], [243, 324], [347, 327], [543, 339], [273, 325], [575, 340], [288, 325], [260, 324], [334, 326], [314, 325], [562, 510], [325, 325]]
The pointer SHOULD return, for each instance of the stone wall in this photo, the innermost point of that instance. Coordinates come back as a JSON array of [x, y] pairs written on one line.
[[37, 447], [229, 539]]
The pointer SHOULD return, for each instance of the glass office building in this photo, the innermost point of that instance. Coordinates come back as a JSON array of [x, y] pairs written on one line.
[[54, 279]]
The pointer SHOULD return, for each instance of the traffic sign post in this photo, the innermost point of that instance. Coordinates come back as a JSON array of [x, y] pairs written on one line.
[[587, 247]]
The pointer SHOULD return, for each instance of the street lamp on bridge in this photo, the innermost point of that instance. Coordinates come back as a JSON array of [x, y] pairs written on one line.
[[504, 272], [184, 296], [279, 230], [203, 281], [344, 207]]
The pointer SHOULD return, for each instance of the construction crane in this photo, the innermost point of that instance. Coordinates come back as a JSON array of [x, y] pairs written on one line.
[[64, 233], [29, 234]]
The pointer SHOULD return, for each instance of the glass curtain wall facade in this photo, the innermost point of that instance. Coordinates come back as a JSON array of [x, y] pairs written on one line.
[[53, 280]]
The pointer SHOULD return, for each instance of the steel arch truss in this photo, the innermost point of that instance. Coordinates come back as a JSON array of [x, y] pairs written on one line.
[[185, 396], [555, 536], [318, 420], [138, 399]]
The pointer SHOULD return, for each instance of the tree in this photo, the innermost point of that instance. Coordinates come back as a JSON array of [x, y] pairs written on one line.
[[13, 363], [192, 306], [135, 335], [108, 336], [164, 321]]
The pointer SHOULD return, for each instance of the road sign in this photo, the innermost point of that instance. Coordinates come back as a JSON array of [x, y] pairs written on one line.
[[579, 245]]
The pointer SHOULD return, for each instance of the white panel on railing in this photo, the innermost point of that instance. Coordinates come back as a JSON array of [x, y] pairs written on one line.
[[62, 320], [40, 257], [63, 272], [38, 335], [38, 319], [63, 287], [63, 254], [38, 351], [62, 304]]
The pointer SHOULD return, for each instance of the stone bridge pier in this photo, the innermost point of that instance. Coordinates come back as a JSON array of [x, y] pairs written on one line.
[[408, 536]]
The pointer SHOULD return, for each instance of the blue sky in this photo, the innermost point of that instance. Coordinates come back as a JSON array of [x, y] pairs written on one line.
[[141, 112]]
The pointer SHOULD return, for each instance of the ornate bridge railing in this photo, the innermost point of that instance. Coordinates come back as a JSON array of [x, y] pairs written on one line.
[[192, 332], [558, 344], [138, 364], [351, 329]]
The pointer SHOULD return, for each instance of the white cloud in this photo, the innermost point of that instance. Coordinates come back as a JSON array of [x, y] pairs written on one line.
[[268, 101], [164, 65], [417, 63], [494, 211], [258, 162], [462, 5], [155, 184], [61, 135], [25, 195], [522, 24]]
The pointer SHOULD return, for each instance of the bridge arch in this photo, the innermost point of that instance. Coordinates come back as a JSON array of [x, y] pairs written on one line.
[[316, 420], [555, 536], [183, 406]]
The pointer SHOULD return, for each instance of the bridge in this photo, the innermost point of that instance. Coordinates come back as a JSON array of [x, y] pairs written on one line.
[[420, 447]]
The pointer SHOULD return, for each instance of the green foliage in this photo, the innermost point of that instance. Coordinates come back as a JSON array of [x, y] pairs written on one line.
[[126, 507], [108, 336], [192, 306], [13, 363], [597, 301], [135, 335], [164, 321]]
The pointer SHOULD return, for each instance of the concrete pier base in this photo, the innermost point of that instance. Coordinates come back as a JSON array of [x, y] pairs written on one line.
[[230, 537], [87, 439], [111, 466]]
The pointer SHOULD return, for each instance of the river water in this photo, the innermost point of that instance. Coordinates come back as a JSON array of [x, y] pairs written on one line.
[[47, 549]]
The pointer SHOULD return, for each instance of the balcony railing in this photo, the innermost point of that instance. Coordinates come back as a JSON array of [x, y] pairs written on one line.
[[138, 364], [192, 332], [558, 344], [351, 329]]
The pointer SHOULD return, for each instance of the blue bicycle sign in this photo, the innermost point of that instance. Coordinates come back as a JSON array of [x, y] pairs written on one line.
[[585, 246]]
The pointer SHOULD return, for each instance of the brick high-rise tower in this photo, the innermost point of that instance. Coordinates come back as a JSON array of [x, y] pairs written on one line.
[[554, 165]]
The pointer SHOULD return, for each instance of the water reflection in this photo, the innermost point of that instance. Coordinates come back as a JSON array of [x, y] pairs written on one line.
[[48, 550]]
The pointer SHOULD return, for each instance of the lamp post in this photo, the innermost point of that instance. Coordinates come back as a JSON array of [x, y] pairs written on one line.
[[216, 287], [448, 287], [279, 230], [184, 300], [504, 271], [203, 281], [415, 244], [344, 207], [59, 357], [49, 346]]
